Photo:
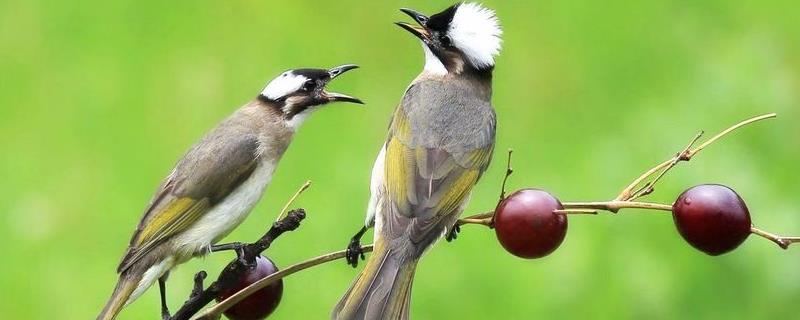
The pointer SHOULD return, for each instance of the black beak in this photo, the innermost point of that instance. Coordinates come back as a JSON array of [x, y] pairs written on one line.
[[335, 72], [334, 96], [420, 31]]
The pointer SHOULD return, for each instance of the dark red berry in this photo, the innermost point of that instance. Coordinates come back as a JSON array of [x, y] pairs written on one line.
[[712, 218], [263, 302], [526, 225]]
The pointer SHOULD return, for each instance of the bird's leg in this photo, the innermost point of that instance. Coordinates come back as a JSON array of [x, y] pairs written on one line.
[[453, 233], [354, 250], [162, 287], [236, 246], [227, 246]]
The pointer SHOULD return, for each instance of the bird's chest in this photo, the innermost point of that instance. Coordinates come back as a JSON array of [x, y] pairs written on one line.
[[227, 214]]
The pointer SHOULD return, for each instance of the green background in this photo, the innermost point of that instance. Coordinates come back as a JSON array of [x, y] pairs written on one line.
[[99, 98]]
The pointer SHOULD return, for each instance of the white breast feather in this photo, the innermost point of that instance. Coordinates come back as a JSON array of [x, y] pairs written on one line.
[[376, 188]]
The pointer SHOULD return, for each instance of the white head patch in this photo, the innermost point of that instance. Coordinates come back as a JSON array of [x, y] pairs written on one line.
[[283, 85], [476, 31]]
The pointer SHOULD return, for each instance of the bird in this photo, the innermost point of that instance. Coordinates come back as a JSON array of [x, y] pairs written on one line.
[[216, 184], [440, 142]]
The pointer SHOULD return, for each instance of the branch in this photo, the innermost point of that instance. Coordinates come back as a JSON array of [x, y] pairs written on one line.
[[215, 311], [236, 268]]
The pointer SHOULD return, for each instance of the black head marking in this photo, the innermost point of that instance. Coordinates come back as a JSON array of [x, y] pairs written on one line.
[[441, 21], [306, 90], [317, 74]]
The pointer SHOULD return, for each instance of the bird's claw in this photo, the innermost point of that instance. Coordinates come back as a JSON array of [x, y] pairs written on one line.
[[242, 257], [453, 234], [240, 249], [354, 251]]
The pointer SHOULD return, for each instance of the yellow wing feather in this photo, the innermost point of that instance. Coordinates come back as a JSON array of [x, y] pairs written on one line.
[[171, 218], [429, 179]]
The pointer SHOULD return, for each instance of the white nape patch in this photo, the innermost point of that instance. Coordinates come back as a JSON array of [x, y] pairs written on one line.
[[283, 85], [432, 63], [476, 31]]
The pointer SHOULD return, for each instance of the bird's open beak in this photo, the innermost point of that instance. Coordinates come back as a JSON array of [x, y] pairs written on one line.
[[334, 96], [418, 30]]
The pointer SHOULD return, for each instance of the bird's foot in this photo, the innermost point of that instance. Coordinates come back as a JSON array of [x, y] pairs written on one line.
[[240, 256], [453, 234], [165, 314], [354, 251], [237, 247]]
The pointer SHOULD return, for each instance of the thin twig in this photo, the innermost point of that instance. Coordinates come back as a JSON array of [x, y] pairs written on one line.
[[649, 187], [726, 131], [781, 241], [628, 194], [294, 197], [215, 311]]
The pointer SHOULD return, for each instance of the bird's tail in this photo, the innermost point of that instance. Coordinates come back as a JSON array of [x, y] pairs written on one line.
[[125, 287], [383, 289]]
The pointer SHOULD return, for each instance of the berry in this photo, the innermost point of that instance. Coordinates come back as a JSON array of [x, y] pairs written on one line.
[[712, 218], [261, 303], [526, 225]]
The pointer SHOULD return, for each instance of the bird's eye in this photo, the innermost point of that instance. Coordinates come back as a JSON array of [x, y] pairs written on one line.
[[309, 85], [422, 19]]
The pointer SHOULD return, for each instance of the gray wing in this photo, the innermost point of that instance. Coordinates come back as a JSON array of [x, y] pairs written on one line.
[[207, 174], [440, 143]]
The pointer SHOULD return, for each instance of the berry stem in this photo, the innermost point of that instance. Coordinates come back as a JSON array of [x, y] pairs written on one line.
[[509, 171], [483, 215], [628, 193], [483, 221], [781, 241]]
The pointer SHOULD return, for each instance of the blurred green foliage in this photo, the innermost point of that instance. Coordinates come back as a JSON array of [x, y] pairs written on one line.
[[99, 98]]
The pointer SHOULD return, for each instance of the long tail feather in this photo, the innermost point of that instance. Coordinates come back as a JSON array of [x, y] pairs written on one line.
[[122, 292], [382, 290]]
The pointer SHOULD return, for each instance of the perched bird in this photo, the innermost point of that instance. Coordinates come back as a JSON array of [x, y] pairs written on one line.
[[439, 144], [218, 181]]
